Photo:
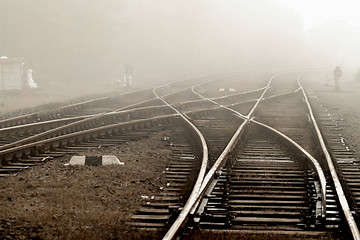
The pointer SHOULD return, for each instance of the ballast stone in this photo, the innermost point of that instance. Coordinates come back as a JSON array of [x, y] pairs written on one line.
[[94, 160]]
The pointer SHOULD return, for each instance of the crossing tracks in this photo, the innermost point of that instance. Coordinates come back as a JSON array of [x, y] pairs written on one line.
[[265, 212], [250, 161]]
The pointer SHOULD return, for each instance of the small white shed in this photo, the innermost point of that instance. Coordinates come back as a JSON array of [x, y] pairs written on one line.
[[11, 73]]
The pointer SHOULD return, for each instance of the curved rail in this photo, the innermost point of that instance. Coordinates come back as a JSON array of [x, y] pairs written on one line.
[[202, 182], [72, 123], [61, 126], [52, 112], [314, 162], [340, 192], [196, 189], [104, 117], [28, 146], [46, 114], [221, 97], [211, 173]]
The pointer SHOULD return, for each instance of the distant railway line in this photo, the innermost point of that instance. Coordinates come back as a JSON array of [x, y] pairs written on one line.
[[256, 161]]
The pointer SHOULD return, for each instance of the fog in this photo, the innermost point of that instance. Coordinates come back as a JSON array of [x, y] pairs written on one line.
[[92, 41]]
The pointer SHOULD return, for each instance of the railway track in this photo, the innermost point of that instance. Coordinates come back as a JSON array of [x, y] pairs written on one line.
[[17, 128], [345, 160], [262, 190], [243, 163], [40, 140], [311, 207], [127, 106]]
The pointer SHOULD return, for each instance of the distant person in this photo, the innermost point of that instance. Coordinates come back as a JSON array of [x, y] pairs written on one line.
[[128, 76], [337, 75], [118, 82], [29, 79]]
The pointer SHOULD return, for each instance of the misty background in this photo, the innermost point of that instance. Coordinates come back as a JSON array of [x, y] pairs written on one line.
[[91, 41]]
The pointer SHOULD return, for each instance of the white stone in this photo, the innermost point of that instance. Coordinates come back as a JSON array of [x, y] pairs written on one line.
[[111, 160], [76, 160], [106, 160]]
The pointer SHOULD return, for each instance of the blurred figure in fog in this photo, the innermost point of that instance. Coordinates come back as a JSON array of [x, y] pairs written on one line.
[[118, 82], [128, 76], [337, 75], [29, 80]]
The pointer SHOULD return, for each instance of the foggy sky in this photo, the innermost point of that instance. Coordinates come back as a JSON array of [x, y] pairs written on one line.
[[166, 40]]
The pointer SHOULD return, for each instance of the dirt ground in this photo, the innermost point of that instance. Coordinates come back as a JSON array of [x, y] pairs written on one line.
[[51, 201]]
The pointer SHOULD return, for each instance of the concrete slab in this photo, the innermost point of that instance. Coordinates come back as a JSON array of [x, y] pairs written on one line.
[[94, 160]]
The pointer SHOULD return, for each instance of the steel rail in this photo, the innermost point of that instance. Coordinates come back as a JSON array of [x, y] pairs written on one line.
[[84, 103], [73, 120], [19, 118], [221, 106], [238, 103], [180, 220], [69, 126], [171, 233], [227, 106], [221, 97], [155, 98], [174, 92], [81, 133], [58, 110], [150, 107], [214, 78], [220, 161], [176, 82], [82, 119], [247, 117], [314, 162], [237, 94], [87, 118], [14, 147], [281, 95], [74, 105], [215, 98], [72, 135], [340, 192], [133, 105], [61, 109], [24, 126], [152, 89]]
